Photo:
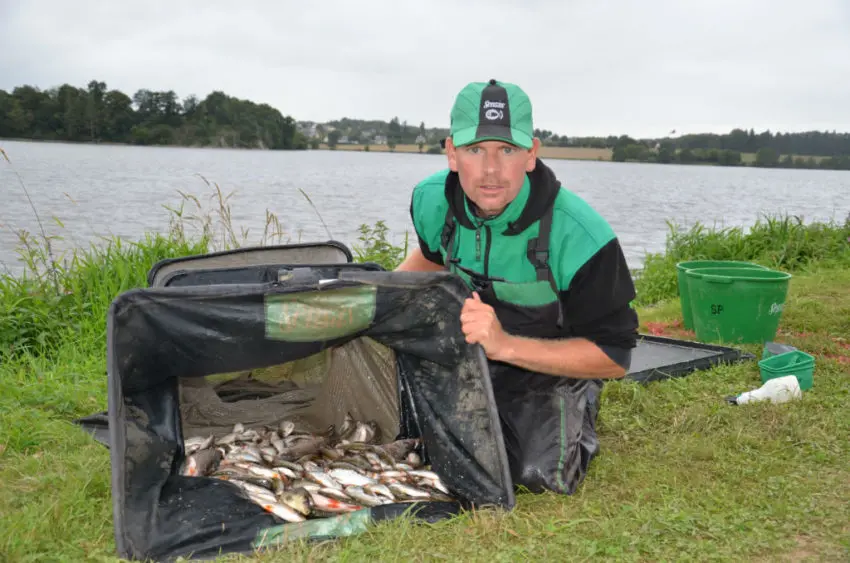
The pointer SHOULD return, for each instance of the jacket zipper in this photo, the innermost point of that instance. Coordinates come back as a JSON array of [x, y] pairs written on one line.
[[478, 244], [487, 253]]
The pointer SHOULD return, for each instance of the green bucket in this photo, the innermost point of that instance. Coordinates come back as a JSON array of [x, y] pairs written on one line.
[[684, 297], [736, 305], [796, 363]]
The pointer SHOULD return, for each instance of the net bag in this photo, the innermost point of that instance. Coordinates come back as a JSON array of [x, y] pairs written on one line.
[[293, 359]]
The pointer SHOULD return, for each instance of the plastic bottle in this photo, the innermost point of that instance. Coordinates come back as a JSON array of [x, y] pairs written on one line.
[[777, 390]]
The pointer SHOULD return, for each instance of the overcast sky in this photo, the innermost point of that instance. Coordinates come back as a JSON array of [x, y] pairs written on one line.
[[591, 67]]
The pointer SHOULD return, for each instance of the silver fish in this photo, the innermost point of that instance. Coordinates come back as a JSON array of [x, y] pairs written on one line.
[[228, 439], [323, 479], [287, 472], [200, 463], [408, 491], [306, 485], [297, 499], [283, 511], [348, 477], [347, 426], [197, 443], [337, 494], [244, 455], [331, 505], [297, 475], [286, 428], [359, 495], [413, 460]]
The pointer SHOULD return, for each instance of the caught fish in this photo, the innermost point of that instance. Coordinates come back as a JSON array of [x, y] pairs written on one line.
[[331, 505], [361, 496], [283, 511], [379, 489], [399, 449], [298, 500], [200, 463], [287, 427], [347, 477], [302, 448], [298, 475], [337, 494], [408, 491], [196, 443], [347, 426], [323, 479]]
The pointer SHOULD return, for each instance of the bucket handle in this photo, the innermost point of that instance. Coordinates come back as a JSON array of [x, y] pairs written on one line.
[[713, 279]]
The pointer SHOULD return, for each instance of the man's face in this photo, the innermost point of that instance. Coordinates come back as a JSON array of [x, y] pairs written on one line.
[[491, 172]]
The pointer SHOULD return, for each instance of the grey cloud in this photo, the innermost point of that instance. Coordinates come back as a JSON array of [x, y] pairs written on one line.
[[590, 67]]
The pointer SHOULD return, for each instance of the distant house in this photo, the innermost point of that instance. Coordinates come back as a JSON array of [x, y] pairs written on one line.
[[420, 139], [380, 139], [308, 129]]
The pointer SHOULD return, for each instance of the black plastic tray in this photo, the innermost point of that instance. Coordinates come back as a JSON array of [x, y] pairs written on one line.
[[657, 357]]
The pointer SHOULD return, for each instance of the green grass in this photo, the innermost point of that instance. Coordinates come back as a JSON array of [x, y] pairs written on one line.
[[682, 475]]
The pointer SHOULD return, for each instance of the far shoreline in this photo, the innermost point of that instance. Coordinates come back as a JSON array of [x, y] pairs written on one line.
[[567, 153], [584, 154]]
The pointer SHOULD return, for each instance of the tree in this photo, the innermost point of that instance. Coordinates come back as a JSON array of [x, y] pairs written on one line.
[[619, 153], [766, 157], [333, 139], [666, 152], [393, 133]]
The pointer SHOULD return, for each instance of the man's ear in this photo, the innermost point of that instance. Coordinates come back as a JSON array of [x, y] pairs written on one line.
[[532, 155], [451, 154]]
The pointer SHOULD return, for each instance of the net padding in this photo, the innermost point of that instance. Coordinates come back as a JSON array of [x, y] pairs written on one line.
[[315, 392]]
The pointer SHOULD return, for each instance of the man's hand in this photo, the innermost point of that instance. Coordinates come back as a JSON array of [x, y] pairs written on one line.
[[481, 326], [571, 357]]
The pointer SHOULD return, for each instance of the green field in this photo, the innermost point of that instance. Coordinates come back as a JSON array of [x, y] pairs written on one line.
[[681, 475]]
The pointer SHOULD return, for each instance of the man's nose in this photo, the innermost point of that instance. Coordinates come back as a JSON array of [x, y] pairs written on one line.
[[492, 163]]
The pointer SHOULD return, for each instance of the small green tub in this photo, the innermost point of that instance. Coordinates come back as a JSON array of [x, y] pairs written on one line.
[[796, 363]]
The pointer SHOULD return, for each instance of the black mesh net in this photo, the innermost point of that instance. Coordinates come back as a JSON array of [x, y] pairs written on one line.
[[357, 378], [381, 348]]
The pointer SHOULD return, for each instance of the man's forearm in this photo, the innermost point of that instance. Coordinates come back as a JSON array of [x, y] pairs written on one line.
[[575, 357]]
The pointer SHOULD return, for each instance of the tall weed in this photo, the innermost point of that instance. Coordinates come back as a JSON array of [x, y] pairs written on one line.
[[782, 242], [62, 299]]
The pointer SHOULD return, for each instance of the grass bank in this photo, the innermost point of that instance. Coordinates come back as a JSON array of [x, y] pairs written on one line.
[[681, 474]]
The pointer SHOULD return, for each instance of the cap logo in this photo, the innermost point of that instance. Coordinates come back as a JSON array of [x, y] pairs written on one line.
[[494, 114], [493, 110]]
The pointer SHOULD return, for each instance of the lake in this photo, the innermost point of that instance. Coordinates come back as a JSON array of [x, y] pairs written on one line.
[[122, 190]]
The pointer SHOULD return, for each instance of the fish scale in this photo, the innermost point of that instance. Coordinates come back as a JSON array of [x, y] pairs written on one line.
[[297, 475]]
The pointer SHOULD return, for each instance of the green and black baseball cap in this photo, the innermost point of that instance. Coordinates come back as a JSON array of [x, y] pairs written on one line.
[[490, 111]]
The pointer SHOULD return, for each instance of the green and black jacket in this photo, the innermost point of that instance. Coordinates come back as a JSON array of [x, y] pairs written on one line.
[[583, 289]]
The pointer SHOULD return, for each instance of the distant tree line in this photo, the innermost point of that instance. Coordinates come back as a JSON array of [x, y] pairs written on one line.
[[813, 149], [100, 115], [666, 152]]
